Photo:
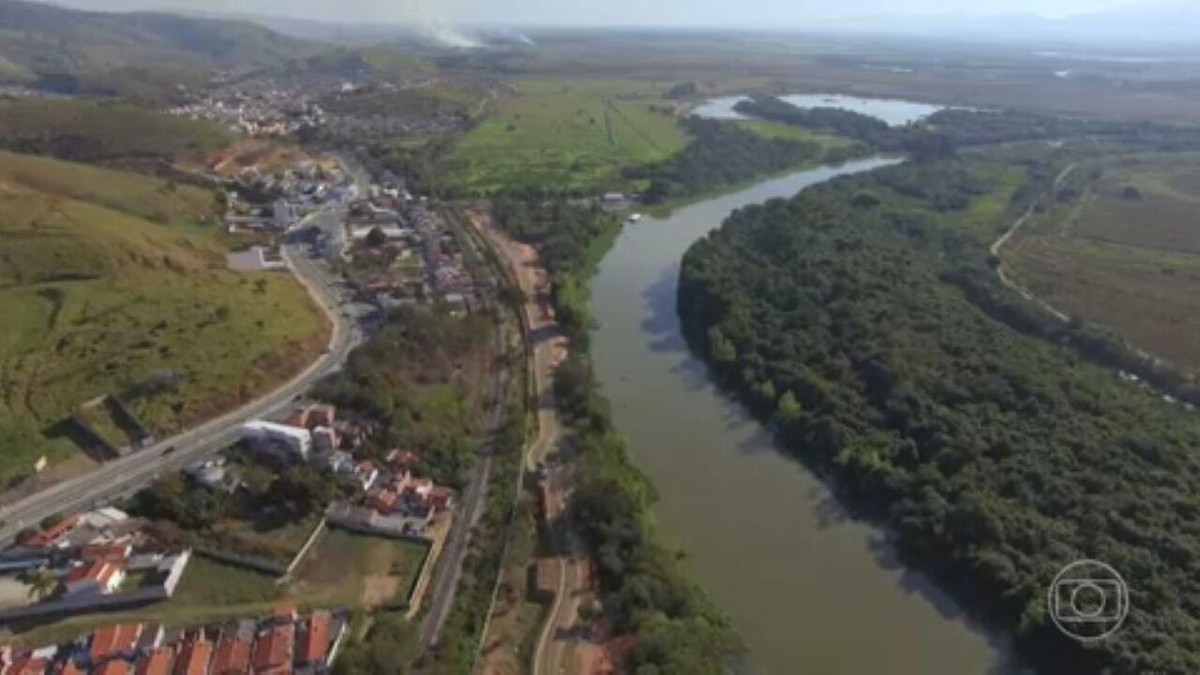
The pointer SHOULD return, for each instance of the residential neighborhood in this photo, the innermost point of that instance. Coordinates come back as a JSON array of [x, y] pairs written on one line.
[[280, 644]]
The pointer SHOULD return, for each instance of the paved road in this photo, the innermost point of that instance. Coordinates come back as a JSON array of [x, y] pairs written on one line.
[[126, 475]]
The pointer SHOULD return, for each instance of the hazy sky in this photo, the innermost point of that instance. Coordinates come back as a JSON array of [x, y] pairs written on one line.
[[779, 13]]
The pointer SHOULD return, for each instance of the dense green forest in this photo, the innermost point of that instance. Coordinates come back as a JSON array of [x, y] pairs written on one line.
[[721, 153], [645, 592], [860, 320]]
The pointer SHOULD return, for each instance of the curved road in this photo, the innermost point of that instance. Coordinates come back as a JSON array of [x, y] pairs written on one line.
[[127, 474]]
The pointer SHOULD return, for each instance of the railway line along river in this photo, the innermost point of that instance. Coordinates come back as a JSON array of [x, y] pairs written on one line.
[[808, 589]]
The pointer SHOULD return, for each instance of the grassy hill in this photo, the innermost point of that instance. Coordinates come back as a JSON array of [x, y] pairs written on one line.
[[88, 130], [111, 279], [40, 40]]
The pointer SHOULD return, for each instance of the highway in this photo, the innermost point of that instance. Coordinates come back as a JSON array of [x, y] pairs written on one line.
[[124, 476]]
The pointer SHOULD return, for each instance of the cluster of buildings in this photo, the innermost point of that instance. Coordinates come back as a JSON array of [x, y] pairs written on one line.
[[296, 192], [86, 562], [314, 105], [418, 260], [282, 644], [263, 110], [399, 503]]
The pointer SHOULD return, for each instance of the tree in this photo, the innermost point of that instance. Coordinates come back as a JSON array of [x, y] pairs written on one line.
[[788, 409], [41, 583]]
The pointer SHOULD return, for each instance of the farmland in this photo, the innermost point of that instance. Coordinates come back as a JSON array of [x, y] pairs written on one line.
[[111, 281], [567, 135], [1121, 249]]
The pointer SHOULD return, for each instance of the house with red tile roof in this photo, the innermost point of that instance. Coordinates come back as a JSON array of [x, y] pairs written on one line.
[[383, 501], [194, 657], [112, 667], [47, 537], [314, 640], [441, 497], [273, 650], [105, 552], [113, 640], [233, 655], [403, 460], [98, 577], [158, 661], [27, 666]]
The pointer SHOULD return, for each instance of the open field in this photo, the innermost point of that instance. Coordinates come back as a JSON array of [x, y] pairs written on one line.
[[1124, 253], [567, 135], [355, 570], [107, 287]]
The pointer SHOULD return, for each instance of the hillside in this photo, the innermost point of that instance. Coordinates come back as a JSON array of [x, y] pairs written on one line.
[[113, 280], [83, 130], [42, 41]]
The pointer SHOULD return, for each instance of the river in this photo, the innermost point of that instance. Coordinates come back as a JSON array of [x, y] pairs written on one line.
[[808, 589]]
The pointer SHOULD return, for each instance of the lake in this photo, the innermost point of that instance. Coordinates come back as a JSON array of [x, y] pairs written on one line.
[[893, 111]]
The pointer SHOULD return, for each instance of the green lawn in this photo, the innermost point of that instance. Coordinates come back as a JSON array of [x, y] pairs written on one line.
[[347, 569], [568, 135], [105, 285]]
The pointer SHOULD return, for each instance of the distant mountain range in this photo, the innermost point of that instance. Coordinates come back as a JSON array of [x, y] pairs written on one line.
[[1148, 25], [40, 41]]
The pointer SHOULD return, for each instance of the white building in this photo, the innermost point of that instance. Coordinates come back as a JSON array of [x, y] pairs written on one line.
[[269, 435]]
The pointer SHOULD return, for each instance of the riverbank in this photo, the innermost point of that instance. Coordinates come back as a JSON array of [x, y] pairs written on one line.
[[806, 587]]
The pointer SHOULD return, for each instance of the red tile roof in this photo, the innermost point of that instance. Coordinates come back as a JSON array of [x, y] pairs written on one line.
[[26, 667], [114, 639], [113, 667], [194, 657], [157, 662], [273, 649], [108, 552], [314, 641], [50, 535], [100, 571], [403, 459], [233, 657], [384, 500]]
